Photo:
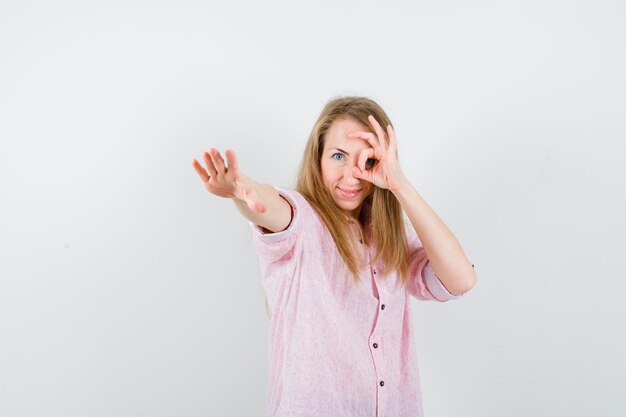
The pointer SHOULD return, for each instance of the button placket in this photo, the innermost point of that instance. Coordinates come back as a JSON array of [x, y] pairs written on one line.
[[381, 382]]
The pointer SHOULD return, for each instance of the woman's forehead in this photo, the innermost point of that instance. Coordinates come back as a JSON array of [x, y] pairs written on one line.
[[337, 136], [345, 125], [347, 145]]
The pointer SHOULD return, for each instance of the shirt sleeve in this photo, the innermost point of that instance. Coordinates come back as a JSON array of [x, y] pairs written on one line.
[[423, 283], [279, 246]]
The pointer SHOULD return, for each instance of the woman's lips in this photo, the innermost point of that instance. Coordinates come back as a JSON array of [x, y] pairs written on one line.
[[349, 195]]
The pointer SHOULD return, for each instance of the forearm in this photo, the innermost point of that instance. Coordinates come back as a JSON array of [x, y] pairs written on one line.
[[277, 214], [445, 253]]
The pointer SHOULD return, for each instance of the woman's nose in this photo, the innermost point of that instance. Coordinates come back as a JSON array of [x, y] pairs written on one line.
[[349, 176]]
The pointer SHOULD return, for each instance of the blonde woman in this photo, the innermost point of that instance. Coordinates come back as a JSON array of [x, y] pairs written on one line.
[[338, 264]]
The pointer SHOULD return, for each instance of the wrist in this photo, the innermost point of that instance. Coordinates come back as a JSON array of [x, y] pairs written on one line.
[[403, 189]]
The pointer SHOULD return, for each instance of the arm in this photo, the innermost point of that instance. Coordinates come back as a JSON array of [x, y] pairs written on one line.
[[259, 203], [278, 213], [445, 253]]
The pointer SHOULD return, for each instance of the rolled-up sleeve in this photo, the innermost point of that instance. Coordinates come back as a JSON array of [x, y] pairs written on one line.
[[423, 283], [436, 287], [273, 247]]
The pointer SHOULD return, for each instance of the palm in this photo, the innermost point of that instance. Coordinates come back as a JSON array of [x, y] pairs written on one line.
[[227, 182], [227, 187]]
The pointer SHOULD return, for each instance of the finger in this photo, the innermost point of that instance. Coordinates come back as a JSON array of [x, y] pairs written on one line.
[[231, 158], [379, 131], [364, 156], [209, 164], [392, 138], [218, 162], [369, 136], [364, 175], [200, 170]]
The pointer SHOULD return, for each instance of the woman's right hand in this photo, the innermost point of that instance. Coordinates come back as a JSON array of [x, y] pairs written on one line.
[[227, 182]]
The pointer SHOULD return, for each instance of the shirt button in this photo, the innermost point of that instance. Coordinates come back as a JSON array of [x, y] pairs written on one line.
[[375, 345], [382, 307], [374, 271], [382, 383]]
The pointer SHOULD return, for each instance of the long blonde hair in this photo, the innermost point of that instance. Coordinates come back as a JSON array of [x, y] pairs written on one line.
[[383, 213]]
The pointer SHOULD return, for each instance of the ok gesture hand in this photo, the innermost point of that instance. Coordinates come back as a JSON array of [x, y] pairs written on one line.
[[387, 172]]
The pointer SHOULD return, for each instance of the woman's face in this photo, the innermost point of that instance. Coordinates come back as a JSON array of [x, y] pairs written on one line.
[[340, 155]]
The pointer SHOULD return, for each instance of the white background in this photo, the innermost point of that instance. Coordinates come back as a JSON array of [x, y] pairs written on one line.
[[128, 290]]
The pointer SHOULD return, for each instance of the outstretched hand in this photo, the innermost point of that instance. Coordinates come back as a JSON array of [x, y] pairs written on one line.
[[386, 173], [227, 182]]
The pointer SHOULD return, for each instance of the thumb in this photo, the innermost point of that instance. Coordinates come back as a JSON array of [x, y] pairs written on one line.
[[364, 175]]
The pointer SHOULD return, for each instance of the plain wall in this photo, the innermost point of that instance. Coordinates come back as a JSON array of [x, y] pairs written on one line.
[[127, 290]]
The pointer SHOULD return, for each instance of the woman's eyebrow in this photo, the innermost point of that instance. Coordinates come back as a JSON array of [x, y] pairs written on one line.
[[342, 151]]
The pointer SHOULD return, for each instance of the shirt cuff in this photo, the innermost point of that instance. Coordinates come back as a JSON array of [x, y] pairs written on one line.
[[436, 287]]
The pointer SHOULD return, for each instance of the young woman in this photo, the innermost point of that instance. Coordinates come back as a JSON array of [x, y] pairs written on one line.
[[338, 264]]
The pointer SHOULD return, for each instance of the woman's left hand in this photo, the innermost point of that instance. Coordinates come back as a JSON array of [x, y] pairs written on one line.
[[386, 173]]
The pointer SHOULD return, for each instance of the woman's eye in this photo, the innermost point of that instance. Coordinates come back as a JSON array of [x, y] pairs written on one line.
[[370, 161], [335, 154]]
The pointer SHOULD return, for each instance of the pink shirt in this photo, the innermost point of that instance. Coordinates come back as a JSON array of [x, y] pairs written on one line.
[[336, 350]]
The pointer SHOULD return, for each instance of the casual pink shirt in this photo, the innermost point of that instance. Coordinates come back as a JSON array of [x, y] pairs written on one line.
[[336, 350]]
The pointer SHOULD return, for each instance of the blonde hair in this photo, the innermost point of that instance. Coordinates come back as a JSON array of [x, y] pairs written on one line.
[[383, 213]]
